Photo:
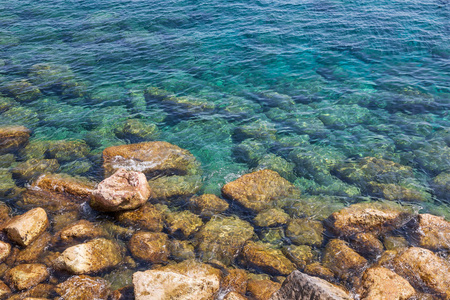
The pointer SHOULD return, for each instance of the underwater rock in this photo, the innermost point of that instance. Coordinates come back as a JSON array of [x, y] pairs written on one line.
[[375, 217], [147, 217], [441, 185], [342, 260], [4, 290], [301, 286], [238, 108], [78, 232], [424, 270], [25, 276], [278, 164], [13, 138], [342, 116], [181, 250], [318, 270], [272, 235], [301, 256], [121, 191], [315, 207], [271, 217], [235, 281], [35, 149], [259, 130], [50, 201], [222, 238], [249, 152], [274, 99], [168, 187], [32, 168], [7, 183], [78, 188], [207, 205], [6, 103], [66, 150], [77, 167], [26, 228], [151, 158], [433, 157], [83, 287], [136, 130], [234, 296], [265, 258], [382, 283], [262, 289], [366, 244], [331, 186], [5, 250], [260, 190], [305, 232], [150, 246], [391, 192], [431, 232], [185, 222], [7, 160], [51, 76], [22, 90], [394, 242], [188, 280], [90, 257]]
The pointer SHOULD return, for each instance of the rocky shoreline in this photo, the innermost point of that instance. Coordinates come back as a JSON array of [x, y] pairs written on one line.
[[144, 232]]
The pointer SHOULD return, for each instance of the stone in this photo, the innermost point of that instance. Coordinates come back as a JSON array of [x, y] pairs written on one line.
[[315, 207], [424, 270], [305, 232], [83, 287], [78, 232], [5, 250], [33, 168], [34, 251], [272, 235], [301, 256], [188, 280], [260, 130], [382, 283], [235, 281], [260, 190], [26, 228], [301, 286], [7, 184], [150, 246], [222, 238], [168, 187], [90, 257], [50, 76], [249, 151], [262, 289], [318, 270], [278, 164], [394, 242], [13, 138], [265, 258], [65, 150], [271, 217], [25, 276], [207, 205], [367, 245], [185, 222], [181, 250], [147, 217], [4, 290], [7, 160], [22, 90], [392, 192], [234, 296], [432, 232], [151, 158], [40, 292], [342, 260], [136, 130], [79, 188], [123, 190], [441, 185], [52, 202], [374, 217]]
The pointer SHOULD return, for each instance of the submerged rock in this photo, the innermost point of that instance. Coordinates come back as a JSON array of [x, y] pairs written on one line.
[[13, 138], [185, 222], [121, 191], [169, 187], [305, 232], [66, 150], [5, 250], [262, 289], [78, 231], [441, 185], [181, 250], [26, 228], [318, 270], [32, 168], [235, 281], [136, 130], [22, 90], [4, 290], [34, 251], [25, 276], [147, 217], [7, 183], [83, 287], [188, 280], [207, 205], [432, 232], [301, 256], [151, 158], [78, 188], [277, 164], [367, 244], [271, 217], [259, 130], [150, 246], [403, 192], [260, 190]]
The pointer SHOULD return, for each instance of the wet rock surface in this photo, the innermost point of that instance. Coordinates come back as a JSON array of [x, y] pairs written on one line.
[[26, 228], [150, 246], [25, 276], [147, 217], [208, 205], [13, 138], [432, 232], [305, 232], [83, 287]]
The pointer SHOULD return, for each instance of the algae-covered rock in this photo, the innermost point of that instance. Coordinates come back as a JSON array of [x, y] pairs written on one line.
[[25, 276], [35, 149], [22, 90], [262, 289], [305, 232], [315, 207], [222, 238], [271, 217], [7, 184], [272, 235], [238, 108], [136, 130], [147, 217], [66, 150], [207, 205], [301, 256], [6, 103], [235, 280], [250, 151], [35, 250], [78, 232], [75, 187], [84, 287], [188, 280], [391, 242], [265, 258], [77, 167], [318, 270], [441, 185], [181, 250], [150, 246], [185, 222], [390, 191], [274, 99], [7, 160], [50, 201], [51, 76], [259, 130], [121, 191], [33, 168], [168, 187], [26, 228], [260, 190], [278, 164], [431, 232], [13, 138], [151, 158], [367, 245], [330, 185], [433, 157]]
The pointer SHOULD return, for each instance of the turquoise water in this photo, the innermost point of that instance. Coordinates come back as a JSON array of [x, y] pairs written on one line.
[[336, 79]]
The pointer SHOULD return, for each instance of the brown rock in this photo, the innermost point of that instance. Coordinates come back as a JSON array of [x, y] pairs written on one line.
[[181, 250], [235, 281], [79, 188], [26, 228], [171, 187], [394, 242], [260, 190], [299, 255], [64, 218], [318, 270], [34, 250], [432, 232], [367, 244], [78, 232], [32, 168], [147, 217], [184, 221], [262, 289], [40, 291], [67, 150], [234, 296], [12, 138], [50, 201], [90, 257], [121, 191], [25, 276], [5, 250], [208, 205], [4, 290], [267, 259], [342, 260], [423, 268], [381, 283], [188, 280], [151, 158], [305, 232], [83, 287], [374, 217], [271, 217], [150, 246], [393, 192]]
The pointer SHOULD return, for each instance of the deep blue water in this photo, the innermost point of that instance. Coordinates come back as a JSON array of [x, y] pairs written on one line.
[[350, 78]]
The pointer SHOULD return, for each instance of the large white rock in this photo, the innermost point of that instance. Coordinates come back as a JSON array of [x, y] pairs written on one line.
[[26, 228]]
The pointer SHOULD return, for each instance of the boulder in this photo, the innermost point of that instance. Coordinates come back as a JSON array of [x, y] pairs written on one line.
[[34, 251], [403, 192], [375, 217], [188, 280], [382, 283], [181, 250], [265, 258], [318, 270], [4, 290], [305, 232], [22, 90], [25, 276], [90, 257], [208, 205], [441, 185], [83, 287], [121, 191], [26, 228], [432, 232], [32, 168], [367, 244], [151, 158], [271, 217], [169, 187], [67, 150], [78, 232], [235, 281], [5, 250], [299, 255], [147, 217], [185, 222], [222, 238], [137, 130], [79, 188], [424, 270], [262, 289], [301, 286], [150, 246], [13, 138], [234, 296], [260, 190]]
